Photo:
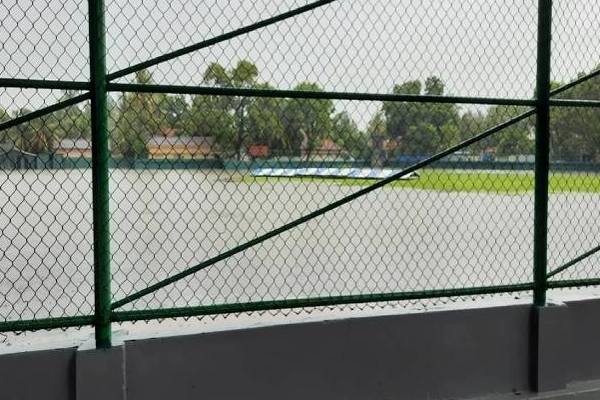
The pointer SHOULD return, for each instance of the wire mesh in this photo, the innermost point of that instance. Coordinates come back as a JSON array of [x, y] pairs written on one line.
[[574, 186], [45, 221], [433, 232], [364, 247], [574, 49], [44, 40], [573, 149], [215, 148]]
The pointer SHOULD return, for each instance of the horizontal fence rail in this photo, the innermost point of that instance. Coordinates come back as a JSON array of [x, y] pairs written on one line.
[[151, 169]]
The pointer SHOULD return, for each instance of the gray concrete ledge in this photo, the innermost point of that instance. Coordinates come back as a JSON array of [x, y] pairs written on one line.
[[468, 353], [588, 390], [100, 374]]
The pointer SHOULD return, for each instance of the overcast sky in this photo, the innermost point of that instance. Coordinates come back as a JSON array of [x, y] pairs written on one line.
[[478, 47]]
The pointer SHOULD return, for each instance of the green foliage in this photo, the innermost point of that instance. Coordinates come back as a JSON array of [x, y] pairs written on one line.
[[377, 127], [72, 122], [173, 109], [307, 122], [138, 120], [265, 125], [243, 75], [346, 134], [41, 135], [210, 116], [292, 126], [299, 126], [515, 139], [575, 132], [217, 75], [34, 136], [400, 116], [4, 135], [418, 128], [434, 86]]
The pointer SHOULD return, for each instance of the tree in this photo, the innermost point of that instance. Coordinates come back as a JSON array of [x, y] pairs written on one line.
[[420, 128], [442, 116], [265, 120], [138, 120], [243, 75], [399, 115], [575, 132], [473, 123], [307, 122], [173, 109], [514, 139], [346, 134], [71, 122], [420, 139], [4, 134], [33, 136], [210, 116], [377, 134], [377, 126], [434, 86]]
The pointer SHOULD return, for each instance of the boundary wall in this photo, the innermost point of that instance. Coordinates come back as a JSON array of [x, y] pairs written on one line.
[[441, 354]]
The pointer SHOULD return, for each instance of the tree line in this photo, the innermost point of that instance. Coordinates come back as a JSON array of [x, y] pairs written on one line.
[[287, 126], [298, 127]]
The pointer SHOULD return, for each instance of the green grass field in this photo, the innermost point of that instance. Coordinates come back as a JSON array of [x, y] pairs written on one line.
[[472, 181]]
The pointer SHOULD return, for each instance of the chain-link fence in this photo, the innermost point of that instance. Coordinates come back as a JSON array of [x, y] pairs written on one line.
[[176, 159]]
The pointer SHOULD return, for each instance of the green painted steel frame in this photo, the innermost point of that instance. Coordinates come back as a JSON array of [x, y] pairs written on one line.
[[100, 178], [542, 152], [100, 83], [121, 316], [46, 323], [574, 261]]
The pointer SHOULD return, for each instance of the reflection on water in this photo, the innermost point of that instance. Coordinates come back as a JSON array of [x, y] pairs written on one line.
[[165, 221]]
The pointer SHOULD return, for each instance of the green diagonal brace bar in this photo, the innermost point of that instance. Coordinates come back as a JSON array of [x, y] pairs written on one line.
[[317, 213], [45, 323], [574, 283], [44, 111], [218, 39], [574, 83], [574, 261]]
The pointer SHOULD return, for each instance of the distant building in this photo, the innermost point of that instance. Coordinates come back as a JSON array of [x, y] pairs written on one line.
[[258, 151], [327, 150], [74, 148], [174, 147]]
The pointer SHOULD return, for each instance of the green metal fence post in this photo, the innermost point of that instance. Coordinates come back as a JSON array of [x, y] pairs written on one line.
[[100, 156], [542, 150]]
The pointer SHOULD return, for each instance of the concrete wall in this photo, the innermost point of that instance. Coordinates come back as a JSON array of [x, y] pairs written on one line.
[[42, 375], [435, 355], [582, 360], [409, 356]]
